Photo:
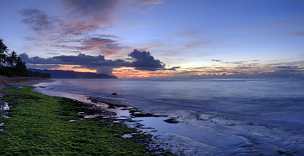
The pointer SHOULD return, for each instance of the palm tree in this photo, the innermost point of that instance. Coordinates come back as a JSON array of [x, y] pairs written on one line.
[[12, 60], [3, 50], [20, 66]]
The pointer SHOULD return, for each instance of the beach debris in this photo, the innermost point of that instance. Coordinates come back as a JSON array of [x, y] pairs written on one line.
[[172, 120], [72, 120]]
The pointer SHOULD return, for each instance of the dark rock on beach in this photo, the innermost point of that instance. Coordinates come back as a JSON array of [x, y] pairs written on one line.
[[109, 101], [172, 120], [142, 114], [137, 113], [113, 103]]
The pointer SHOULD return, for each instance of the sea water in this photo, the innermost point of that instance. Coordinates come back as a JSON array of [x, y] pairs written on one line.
[[216, 116]]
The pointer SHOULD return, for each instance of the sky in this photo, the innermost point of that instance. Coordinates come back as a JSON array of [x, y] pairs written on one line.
[[158, 38]]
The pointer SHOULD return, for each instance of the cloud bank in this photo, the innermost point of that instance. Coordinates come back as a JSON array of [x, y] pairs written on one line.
[[141, 64], [141, 60], [78, 26], [72, 30]]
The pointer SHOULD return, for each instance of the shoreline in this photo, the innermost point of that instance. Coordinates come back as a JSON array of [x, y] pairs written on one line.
[[203, 133], [197, 133], [92, 112]]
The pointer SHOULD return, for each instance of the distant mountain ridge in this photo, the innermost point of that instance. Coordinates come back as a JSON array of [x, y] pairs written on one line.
[[74, 75]]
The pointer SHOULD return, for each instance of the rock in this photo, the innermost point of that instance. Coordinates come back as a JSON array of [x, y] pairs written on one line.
[[286, 153], [111, 102], [81, 114], [172, 120], [1, 125], [114, 93], [93, 99], [5, 106], [127, 136], [142, 114], [72, 120], [91, 116]]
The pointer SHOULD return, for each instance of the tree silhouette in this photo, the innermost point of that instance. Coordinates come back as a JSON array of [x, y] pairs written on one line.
[[12, 59], [3, 50], [20, 66], [10, 63]]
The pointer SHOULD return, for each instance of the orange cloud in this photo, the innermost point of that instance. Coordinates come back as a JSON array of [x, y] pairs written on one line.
[[130, 72], [75, 68]]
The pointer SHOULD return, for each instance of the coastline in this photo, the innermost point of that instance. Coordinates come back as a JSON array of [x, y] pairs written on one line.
[[197, 133], [88, 113], [10, 81]]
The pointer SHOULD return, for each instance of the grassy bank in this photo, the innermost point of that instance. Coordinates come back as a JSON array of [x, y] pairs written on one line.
[[41, 125]]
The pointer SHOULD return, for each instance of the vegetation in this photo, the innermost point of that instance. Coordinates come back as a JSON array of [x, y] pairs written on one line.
[[41, 125], [12, 65]]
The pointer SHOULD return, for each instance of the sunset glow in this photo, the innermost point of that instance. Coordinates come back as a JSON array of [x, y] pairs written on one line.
[[152, 77], [125, 72], [157, 38], [75, 68]]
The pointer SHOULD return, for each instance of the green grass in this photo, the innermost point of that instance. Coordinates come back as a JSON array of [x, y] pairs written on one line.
[[39, 125]]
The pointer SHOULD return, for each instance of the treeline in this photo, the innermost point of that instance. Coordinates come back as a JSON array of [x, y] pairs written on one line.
[[12, 65]]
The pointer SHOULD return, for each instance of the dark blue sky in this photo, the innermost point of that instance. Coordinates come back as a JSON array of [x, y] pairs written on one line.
[[190, 34]]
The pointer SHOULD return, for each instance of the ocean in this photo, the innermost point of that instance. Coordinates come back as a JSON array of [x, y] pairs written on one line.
[[215, 116]]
